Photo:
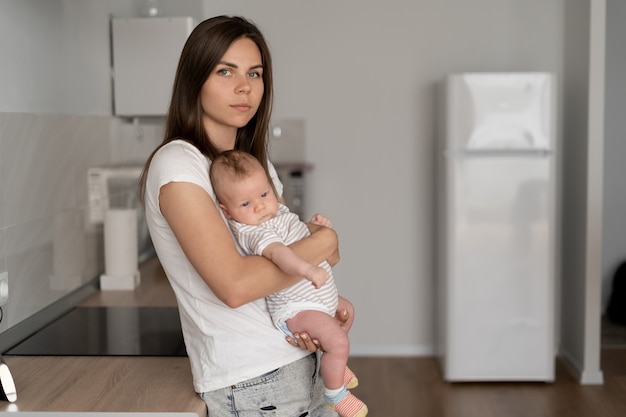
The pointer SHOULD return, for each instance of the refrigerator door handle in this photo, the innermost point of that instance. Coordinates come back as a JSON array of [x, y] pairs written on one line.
[[498, 153]]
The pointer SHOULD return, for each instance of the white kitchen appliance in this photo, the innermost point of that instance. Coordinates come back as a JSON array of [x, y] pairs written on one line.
[[496, 184], [287, 149], [115, 187]]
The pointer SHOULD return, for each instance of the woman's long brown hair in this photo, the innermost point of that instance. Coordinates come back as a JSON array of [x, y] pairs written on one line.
[[202, 52]]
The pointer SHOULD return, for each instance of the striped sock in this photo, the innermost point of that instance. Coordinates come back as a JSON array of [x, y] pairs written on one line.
[[349, 379], [350, 406], [333, 396]]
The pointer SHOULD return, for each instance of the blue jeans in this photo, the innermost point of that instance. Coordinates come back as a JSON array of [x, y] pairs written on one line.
[[294, 390]]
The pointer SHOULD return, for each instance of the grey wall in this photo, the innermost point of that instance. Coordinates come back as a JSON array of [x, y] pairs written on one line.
[[614, 243], [583, 141], [363, 78], [361, 75]]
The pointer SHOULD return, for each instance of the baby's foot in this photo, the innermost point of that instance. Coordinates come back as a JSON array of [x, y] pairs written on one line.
[[349, 379], [350, 406]]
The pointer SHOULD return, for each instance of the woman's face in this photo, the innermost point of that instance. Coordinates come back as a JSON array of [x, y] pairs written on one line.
[[231, 95]]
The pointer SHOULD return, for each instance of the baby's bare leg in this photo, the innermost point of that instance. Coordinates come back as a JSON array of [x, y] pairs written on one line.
[[333, 339]]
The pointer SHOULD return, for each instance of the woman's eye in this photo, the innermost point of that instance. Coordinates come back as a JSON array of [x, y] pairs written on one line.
[[224, 71], [254, 74]]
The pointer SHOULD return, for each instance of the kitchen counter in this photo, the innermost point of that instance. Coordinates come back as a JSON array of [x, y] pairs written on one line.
[[109, 383], [103, 383]]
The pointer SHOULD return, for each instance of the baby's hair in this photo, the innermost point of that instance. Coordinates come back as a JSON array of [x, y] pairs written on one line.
[[238, 162], [234, 164]]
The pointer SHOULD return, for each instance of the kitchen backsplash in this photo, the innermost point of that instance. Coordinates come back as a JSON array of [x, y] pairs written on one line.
[[47, 246]]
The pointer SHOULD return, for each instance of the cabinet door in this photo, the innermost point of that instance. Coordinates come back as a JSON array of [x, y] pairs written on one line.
[[145, 57]]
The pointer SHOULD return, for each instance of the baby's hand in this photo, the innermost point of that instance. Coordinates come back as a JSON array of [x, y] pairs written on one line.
[[321, 220], [317, 275]]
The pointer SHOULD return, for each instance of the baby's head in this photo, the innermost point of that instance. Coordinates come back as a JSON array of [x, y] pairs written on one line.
[[243, 189]]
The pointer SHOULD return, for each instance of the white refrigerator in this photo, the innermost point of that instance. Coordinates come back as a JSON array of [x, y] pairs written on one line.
[[496, 246]]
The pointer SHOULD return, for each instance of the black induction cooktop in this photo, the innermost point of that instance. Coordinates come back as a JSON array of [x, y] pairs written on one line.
[[108, 331]]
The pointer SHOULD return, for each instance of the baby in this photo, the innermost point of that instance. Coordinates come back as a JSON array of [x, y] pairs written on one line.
[[263, 226]]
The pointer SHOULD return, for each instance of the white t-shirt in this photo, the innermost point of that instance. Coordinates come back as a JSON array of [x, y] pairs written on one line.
[[225, 345]]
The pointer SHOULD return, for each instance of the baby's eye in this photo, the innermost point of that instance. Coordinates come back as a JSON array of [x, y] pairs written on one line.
[[264, 195], [245, 204]]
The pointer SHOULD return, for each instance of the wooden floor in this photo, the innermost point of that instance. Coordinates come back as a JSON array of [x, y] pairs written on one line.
[[413, 387]]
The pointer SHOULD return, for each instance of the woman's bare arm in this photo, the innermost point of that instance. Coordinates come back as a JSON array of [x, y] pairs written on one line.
[[333, 250], [207, 243]]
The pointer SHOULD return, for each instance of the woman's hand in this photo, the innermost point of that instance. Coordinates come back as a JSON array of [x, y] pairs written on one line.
[[304, 341]]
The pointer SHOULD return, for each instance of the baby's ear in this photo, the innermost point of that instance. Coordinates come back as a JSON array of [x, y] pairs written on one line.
[[226, 213]]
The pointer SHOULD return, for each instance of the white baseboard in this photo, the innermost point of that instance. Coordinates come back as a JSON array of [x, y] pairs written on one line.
[[584, 377], [391, 350]]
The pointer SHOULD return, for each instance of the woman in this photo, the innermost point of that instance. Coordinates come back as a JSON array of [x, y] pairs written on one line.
[[241, 364]]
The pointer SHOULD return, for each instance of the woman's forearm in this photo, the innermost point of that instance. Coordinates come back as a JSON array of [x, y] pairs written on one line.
[[208, 245], [254, 277], [257, 277], [321, 245]]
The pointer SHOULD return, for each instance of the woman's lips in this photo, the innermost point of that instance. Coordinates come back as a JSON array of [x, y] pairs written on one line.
[[242, 107]]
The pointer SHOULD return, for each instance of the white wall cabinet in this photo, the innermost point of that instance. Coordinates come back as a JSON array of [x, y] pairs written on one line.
[[145, 56]]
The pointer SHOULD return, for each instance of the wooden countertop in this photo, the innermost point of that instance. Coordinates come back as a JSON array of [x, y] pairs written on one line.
[[109, 383], [101, 383]]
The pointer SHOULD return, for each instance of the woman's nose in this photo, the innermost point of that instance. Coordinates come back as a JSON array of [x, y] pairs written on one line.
[[244, 86]]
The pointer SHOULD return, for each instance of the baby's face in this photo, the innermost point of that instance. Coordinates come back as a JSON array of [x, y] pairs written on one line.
[[251, 200]]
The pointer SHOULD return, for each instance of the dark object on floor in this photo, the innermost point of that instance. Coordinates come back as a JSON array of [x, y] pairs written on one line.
[[616, 310]]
